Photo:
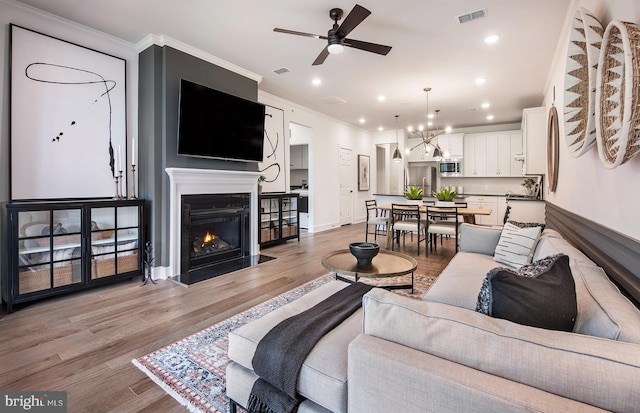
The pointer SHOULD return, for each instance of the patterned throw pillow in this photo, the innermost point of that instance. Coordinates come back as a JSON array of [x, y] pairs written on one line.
[[527, 224], [516, 245], [541, 294]]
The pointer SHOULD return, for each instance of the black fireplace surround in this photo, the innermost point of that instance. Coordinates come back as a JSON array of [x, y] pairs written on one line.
[[215, 234]]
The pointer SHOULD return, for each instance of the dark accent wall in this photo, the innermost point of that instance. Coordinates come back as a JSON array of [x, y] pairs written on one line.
[[160, 71], [616, 253]]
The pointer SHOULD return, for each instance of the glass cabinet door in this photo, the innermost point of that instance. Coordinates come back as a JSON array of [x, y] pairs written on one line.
[[289, 216], [49, 249], [114, 241]]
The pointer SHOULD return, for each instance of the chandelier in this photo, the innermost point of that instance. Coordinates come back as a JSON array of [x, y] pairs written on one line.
[[430, 139]]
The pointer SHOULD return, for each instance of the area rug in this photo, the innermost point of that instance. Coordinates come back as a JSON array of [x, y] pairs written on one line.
[[192, 370]]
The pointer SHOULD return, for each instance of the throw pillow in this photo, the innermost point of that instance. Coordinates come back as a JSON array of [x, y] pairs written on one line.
[[479, 239], [516, 245], [542, 294], [526, 224]]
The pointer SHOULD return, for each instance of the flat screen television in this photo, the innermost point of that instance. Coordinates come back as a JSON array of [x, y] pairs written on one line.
[[214, 124]]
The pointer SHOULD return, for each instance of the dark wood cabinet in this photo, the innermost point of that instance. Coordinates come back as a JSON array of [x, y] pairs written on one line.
[[59, 247], [279, 218]]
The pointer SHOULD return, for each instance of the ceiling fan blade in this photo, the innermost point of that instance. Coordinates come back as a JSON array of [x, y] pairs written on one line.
[[317, 36], [366, 46], [354, 18], [321, 57]]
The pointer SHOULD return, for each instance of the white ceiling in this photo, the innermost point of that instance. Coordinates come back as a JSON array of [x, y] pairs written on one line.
[[430, 49]]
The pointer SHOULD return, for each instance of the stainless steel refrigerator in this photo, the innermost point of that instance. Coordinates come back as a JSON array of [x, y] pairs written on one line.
[[423, 175]]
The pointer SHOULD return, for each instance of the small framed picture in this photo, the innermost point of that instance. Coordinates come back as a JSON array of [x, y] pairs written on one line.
[[363, 172]]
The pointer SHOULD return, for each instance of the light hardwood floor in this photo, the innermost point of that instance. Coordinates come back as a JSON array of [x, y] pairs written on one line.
[[83, 343]]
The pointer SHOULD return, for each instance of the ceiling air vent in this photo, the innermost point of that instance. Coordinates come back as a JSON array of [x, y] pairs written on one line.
[[333, 100], [281, 71], [474, 15]]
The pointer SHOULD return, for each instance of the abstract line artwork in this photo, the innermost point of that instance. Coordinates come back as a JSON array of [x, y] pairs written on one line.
[[68, 119], [272, 165]]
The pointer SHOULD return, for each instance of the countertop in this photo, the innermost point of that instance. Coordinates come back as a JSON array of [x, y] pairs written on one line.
[[462, 196]]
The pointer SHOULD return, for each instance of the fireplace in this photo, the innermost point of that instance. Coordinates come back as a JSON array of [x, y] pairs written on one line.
[[215, 231], [191, 181]]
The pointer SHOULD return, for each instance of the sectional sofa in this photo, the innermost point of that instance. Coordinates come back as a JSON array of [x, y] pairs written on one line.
[[441, 355]]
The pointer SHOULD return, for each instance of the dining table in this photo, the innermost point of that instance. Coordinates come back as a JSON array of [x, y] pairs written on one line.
[[468, 215]]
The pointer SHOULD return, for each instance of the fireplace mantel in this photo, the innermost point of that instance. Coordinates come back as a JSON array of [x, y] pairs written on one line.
[[189, 181]]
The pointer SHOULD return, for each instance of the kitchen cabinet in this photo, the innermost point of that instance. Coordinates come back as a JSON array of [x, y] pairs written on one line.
[[299, 156], [474, 163], [534, 140], [59, 247], [279, 218], [485, 202], [492, 154], [526, 210], [452, 143]]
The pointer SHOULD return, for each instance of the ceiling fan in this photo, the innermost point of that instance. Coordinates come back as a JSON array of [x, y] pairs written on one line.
[[337, 36]]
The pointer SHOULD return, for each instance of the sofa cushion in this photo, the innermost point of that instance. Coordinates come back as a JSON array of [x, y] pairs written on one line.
[[541, 294], [527, 224], [516, 245], [323, 377], [583, 368], [460, 281], [479, 239], [602, 310]]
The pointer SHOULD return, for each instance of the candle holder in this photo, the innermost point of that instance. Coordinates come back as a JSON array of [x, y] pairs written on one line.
[[121, 186], [133, 184], [117, 196]]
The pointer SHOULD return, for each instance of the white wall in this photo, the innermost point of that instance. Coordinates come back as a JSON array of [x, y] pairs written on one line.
[[329, 135], [585, 186]]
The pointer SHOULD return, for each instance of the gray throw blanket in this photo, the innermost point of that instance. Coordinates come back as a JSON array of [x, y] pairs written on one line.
[[281, 352]]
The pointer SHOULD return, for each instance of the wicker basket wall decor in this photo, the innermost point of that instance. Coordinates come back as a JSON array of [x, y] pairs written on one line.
[[618, 94], [580, 82]]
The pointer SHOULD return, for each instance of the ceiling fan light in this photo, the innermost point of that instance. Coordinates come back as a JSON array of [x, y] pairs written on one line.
[[335, 48]]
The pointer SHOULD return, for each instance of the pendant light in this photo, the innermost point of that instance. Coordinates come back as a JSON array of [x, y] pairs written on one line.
[[397, 156], [437, 153]]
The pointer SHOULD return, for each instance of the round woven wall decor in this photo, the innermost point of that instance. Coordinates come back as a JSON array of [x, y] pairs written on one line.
[[618, 94], [580, 82]]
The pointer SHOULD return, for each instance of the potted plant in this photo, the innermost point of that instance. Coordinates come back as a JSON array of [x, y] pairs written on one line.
[[413, 193], [445, 197], [529, 185]]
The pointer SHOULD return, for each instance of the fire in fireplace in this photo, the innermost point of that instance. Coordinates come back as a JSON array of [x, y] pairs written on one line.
[[215, 230]]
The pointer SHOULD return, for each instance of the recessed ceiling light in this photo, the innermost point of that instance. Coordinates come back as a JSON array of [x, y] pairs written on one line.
[[430, 115], [481, 80], [316, 82], [447, 129], [362, 120], [382, 98], [491, 39], [489, 117], [429, 123], [380, 128], [485, 105]]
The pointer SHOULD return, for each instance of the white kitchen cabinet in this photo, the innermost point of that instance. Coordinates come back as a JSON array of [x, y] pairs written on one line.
[[516, 149], [498, 154], [526, 211], [452, 143], [485, 202], [534, 140], [474, 163], [299, 155]]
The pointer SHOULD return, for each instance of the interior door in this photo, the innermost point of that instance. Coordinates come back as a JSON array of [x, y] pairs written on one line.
[[346, 186]]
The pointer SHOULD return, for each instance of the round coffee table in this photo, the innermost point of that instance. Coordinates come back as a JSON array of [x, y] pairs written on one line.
[[384, 265]]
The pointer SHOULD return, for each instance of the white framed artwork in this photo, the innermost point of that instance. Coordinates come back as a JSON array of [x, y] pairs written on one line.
[[273, 162], [68, 119]]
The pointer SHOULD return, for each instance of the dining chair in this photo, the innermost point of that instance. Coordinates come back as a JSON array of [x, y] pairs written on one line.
[[443, 221], [376, 218], [406, 219]]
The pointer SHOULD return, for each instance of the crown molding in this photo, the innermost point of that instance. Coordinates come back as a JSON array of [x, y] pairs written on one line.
[[163, 40]]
